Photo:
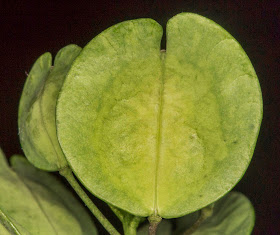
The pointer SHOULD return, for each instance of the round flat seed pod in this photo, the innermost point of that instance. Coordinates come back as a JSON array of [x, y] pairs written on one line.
[[155, 132]]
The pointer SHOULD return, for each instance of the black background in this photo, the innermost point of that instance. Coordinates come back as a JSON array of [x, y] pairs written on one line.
[[30, 28]]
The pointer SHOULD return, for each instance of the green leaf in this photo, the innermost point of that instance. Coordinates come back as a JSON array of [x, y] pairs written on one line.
[[160, 133], [37, 128], [3, 230], [164, 228], [34, 202], [233, 214], [6, 225]]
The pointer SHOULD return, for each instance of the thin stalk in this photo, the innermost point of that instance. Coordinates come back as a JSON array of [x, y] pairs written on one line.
[[154, 222], [130, 222], [204, 214], [129, 229], [67, 173]]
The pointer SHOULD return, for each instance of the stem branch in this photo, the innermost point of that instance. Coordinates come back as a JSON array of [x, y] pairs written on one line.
[[67, 173], [130, 222], [129, 229]]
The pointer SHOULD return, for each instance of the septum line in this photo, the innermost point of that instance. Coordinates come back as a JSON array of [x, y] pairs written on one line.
[[159, 133]]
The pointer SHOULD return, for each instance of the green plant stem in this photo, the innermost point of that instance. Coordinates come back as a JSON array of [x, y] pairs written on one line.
[[130, 222], [130, 229], [67, 173], [204, 214], [154, 222]]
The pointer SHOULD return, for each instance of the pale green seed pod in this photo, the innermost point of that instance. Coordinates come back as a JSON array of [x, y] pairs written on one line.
[[37, 122], [160, 134]]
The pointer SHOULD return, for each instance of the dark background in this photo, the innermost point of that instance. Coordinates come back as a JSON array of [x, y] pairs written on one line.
[[30, 28]]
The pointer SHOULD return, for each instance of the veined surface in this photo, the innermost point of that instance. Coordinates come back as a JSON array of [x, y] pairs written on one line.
[[156, 134]]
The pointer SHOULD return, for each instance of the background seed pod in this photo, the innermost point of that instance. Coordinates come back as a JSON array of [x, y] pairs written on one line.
[[36, 120]]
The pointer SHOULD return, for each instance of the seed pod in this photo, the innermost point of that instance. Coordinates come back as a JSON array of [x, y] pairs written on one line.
[[37, 123], [154, 134]]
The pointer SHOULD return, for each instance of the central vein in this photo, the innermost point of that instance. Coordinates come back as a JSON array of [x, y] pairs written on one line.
[[159, 132]]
